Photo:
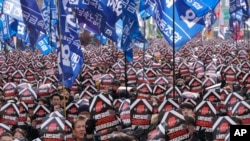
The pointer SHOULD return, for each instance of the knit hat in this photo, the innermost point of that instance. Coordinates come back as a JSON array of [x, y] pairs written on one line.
[[83, 108]]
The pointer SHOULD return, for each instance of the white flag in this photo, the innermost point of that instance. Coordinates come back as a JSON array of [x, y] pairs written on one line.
[[221, 32]]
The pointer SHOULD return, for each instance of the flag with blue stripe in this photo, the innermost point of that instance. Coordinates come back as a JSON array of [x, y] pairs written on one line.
[[201, 7], [8, 26], [26, 11], [70, 56], [42, 44], [186, 23]]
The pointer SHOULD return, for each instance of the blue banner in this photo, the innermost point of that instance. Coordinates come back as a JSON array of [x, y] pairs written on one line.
[[145, 10], [201, 7], [26, 11], [186, 23], [89, 20], [33, 36], [94, 21], [21, 31], [1, 6], [70, 56], [42, 44], [53, 28], [81, 3], [239, 10], [130, 34], [8, 26], [45, 11]]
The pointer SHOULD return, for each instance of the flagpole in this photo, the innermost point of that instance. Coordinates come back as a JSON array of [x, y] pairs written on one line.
[[144, 30], [125, 73], [50, 42], [60, 46], [174, 77], [247, 36]]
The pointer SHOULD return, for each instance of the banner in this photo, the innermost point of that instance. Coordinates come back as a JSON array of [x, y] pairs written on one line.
[[8, 27], [70, 56], [42, 44], [201, 7], [26, 11], [45, 11], [21, 30], [186, 26]]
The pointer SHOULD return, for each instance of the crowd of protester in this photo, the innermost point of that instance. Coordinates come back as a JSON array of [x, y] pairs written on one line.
[[58, 101]]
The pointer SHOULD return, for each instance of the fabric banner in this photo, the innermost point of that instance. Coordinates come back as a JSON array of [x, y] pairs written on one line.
[[201, 7], [70, 56], [8, 26], [42, 44], [26, 11], [187, 24], [21, 30]]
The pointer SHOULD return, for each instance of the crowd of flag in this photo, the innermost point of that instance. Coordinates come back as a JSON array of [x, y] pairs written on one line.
[[56, 24]]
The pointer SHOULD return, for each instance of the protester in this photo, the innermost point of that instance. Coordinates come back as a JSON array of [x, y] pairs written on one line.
[[83, 110], [20, 134], [194, 136], [42, 101], [55, 100], [7, 136], [79, 130], [114, 90], [187, 109]]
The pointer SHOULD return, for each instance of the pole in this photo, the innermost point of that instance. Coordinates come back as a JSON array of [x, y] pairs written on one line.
[[174, 77], [247, 37], [126, 75], [144, 48], [60, 47], [49, 17]]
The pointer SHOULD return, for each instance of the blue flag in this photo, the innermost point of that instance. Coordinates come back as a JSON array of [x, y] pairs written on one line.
[[186, 23], [1, 6], [43, 45], [85, 20], [26, 11], [201, 7], [45, 11], [33, 36], [21, 31], [145, 10], [8, 27], [53, 28], [239, 10], [70, 56], [129, 35]]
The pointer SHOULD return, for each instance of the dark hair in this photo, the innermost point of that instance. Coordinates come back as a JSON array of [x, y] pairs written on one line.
[[190, 120], [121, 137], [117, 83], [56, 94]]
